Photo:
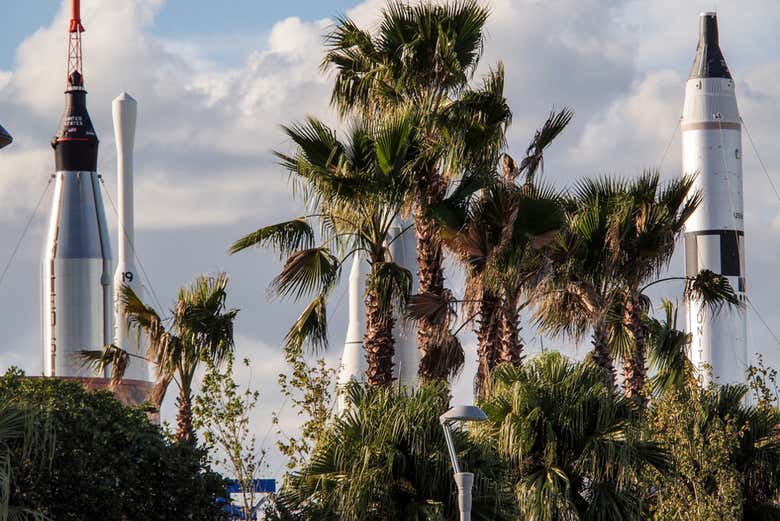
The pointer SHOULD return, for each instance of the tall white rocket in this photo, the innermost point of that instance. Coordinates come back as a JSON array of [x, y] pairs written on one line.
[[353, 358], [714, 234], [125, 111], [403, 250]]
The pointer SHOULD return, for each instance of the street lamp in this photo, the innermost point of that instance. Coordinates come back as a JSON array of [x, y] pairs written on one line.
[[464, 480], [5, 137]]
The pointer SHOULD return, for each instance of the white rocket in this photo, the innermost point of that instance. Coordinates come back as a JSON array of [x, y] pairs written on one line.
[[714, 234], [125, 110], [76, 287], [403, 250], [353, 358]]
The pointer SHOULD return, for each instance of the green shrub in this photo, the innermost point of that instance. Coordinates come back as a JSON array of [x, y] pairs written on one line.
[[109, 461]]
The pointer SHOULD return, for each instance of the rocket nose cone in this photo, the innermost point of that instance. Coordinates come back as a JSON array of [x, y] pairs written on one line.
[[5, 137], [125, 97], [708, 29], [709, 61]]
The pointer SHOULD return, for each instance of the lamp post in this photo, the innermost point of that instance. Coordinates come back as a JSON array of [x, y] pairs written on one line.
[[464, 480], [5, 137]]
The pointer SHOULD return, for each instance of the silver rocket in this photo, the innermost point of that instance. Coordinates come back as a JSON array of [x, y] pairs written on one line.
[[714, 234], [125, 111], [77, 267]]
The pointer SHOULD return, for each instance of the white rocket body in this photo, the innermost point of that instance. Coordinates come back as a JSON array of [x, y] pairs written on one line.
[[353, 359], [125, 110], [403, 250], [714, 234]]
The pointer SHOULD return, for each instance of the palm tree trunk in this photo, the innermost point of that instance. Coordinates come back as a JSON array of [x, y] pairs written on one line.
[[600, 354], [184, 431], [487, 341], [430, 272], [511, 345], [379, 342], [634, 366]]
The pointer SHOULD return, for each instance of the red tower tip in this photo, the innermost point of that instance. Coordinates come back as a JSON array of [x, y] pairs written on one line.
[[75, 18], [75, 77]]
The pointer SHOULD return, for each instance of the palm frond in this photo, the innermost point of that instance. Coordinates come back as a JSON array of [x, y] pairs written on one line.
[[712, 289], [314, 270], [111, 356], [534, 155], [285, 237], [310, 328], [668, 353], [436, 309]]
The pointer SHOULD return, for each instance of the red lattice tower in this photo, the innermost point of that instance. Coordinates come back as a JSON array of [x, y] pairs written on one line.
[[75, 60]]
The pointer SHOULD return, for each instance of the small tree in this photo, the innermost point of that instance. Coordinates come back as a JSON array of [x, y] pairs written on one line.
[[308, 387], [222, 414]]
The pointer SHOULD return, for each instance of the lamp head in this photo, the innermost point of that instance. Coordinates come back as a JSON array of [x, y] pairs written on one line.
[[465, 413]]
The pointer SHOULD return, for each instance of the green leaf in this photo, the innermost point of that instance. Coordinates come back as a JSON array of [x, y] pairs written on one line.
[[285, 237], [310, 328], [314, 270]]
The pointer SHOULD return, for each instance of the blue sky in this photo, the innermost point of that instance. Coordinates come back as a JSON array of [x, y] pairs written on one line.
[[233, 23]]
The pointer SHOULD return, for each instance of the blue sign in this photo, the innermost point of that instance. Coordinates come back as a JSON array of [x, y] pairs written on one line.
[[266, 486]]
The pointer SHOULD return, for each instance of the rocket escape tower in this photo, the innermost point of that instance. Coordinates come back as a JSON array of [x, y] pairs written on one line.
[[76, 142], [75, 62]]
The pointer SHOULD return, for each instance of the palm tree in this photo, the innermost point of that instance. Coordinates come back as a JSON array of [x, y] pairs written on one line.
[[25, 437], [387, 459], [492, 238], [619, 237], [673, 370], [423, 56], [200, 331], [356, 190], [571, 441], [578, 291], [646, 221]]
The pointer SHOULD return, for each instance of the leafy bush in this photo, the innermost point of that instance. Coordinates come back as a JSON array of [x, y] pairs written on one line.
[[573, 443], [109, 462], [386, 459]]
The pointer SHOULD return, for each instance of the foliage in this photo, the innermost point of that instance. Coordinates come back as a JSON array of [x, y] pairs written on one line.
[[356, 190], [201, 331], [573, 443], [308, 388], [703, 483], [386, 459], [423, 55], [25, 440], [222, 414], [725, 454], [109, 462], [668, 356]]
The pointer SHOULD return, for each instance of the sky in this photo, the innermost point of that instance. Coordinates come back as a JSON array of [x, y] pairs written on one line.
[[214, 83]]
